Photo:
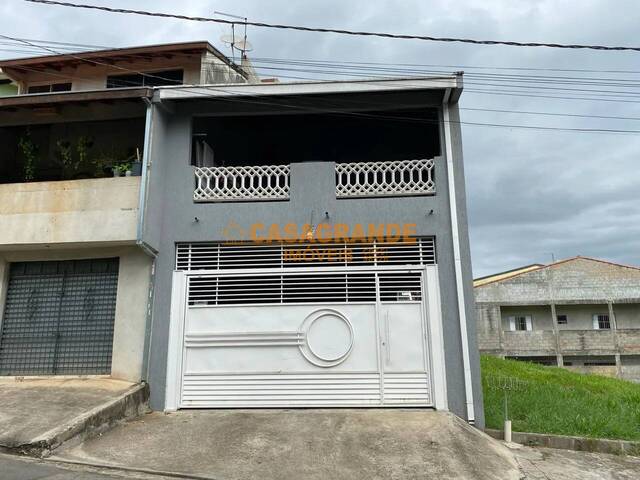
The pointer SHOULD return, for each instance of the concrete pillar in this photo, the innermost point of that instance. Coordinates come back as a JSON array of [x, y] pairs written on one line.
[[500, 329], [616, 342], [130, 324], [554, 322]]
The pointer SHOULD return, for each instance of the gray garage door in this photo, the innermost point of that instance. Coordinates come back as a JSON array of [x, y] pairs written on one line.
[[58, 318]]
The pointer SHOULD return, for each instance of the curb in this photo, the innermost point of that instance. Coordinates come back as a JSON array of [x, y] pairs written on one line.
[[131, 403], [120, 468], [565, 442]]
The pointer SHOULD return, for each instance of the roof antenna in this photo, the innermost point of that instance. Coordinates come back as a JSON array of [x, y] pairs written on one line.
[[243, 45]]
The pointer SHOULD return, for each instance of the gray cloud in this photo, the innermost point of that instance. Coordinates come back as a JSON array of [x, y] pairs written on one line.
[[530, 193]]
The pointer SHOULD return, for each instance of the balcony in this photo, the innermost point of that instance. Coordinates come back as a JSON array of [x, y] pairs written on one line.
[[352, 180], [531, 342], [102, 211], [586, 341]]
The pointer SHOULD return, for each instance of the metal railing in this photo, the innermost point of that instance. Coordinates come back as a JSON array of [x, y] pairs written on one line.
[[375, 179], [253, 183]]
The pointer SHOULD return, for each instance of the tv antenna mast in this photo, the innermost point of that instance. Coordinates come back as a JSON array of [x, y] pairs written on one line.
[[242, 45]]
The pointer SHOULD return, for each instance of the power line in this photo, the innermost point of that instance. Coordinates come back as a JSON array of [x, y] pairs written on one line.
[[320, 110], [388, 68], [480, 67], [338, 31], [475, 91]]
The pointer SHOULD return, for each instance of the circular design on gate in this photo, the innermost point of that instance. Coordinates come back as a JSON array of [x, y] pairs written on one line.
[[328, 337]]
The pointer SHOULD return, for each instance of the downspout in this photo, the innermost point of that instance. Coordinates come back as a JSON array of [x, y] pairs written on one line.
[[462, 313], [146, 161]]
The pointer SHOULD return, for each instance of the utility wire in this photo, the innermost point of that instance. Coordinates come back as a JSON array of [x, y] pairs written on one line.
[[338, 31], [379, 64], [390, 69], [243, 99], [485, 92]]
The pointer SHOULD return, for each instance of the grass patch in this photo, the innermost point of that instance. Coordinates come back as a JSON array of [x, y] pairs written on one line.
[[557, 401]]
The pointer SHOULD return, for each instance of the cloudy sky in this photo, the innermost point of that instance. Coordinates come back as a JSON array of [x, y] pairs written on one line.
[[533, 195]]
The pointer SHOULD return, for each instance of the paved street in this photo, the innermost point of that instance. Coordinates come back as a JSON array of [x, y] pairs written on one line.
[[21, 468]]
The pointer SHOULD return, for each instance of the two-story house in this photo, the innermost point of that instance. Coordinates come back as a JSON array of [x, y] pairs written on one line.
[[312, 247], [75, 275], [580, 313], [284, 244]]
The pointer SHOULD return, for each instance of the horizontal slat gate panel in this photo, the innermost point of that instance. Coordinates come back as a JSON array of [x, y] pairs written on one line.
[[260, 390], [287, 288], [406, 389], [238, 255]]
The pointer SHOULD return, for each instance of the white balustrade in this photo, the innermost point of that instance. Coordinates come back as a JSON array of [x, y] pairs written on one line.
[[375, 179], [253, 183]]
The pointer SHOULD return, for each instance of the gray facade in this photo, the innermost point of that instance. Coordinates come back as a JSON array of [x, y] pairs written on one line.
[[561, 303], [172, 217]]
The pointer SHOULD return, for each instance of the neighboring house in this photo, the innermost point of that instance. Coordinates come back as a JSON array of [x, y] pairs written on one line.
[[7, 87], [192, 63], [581, 313], [74, 275], [286, 244]]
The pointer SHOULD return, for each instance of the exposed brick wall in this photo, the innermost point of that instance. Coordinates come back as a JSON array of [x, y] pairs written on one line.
[[578, 280], [536, 342], [488, 327], [587, 341]]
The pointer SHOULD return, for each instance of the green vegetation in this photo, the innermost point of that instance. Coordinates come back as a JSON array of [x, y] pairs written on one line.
[[557, 401]]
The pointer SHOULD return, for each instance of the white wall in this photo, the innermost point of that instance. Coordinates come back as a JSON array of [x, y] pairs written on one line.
[[69, 212]]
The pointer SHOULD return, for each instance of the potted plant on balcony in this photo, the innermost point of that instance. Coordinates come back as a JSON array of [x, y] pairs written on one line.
[[31, 153], [122, 169], [74, 161]]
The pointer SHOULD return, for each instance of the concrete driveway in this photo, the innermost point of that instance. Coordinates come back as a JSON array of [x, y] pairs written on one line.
[[295, 444]]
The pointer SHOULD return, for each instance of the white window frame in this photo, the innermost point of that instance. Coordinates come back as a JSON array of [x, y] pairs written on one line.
[[528, 320], [596, 321], [45, 83]]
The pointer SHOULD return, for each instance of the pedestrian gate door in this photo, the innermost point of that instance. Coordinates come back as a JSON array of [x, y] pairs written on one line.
[[58, 318], [300, 337]]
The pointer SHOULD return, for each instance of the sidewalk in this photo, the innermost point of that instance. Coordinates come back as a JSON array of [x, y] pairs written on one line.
[[40, 413]]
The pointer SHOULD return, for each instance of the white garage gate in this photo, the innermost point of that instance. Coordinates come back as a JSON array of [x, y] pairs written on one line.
[[352, 335]]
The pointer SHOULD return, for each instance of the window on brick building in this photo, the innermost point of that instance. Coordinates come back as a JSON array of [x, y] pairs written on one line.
[[520, 323], [601, 322], [562, 319]]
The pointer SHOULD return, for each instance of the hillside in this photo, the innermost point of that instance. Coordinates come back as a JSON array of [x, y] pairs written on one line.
[[557, 401]]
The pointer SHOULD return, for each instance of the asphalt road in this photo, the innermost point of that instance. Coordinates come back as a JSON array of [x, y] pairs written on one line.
[[17, 468]]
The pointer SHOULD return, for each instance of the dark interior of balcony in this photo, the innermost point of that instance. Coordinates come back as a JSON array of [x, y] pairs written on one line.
[[341, 137], [71, 151]]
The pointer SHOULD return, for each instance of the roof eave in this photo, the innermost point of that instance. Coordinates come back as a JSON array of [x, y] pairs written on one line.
[[444, 83], [45, 99]]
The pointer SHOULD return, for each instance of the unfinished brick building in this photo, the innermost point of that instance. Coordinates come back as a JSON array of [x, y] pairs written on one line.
[[581, 313]]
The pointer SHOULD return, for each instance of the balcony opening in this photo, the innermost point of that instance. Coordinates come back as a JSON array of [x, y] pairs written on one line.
[[71, 151], [540, 360], [341, 137]]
